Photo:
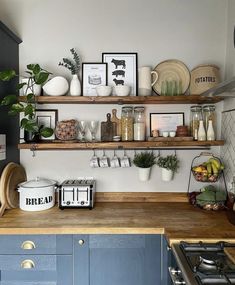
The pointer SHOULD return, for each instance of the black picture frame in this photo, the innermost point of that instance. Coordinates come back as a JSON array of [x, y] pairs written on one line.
[[49, 118], [165, 117], [119, 75], [88, 88]]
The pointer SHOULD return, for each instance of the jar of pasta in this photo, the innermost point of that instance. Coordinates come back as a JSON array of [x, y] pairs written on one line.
[[195, 118], [127, 123]]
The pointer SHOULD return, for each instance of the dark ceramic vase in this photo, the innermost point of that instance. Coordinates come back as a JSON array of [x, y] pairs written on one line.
[[31, 137]]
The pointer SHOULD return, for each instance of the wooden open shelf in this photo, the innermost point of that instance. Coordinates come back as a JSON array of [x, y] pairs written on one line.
[[154, 99], [50, 145]]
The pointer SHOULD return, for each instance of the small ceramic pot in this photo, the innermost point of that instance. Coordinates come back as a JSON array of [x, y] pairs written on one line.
[[144, 173], [167, 175]]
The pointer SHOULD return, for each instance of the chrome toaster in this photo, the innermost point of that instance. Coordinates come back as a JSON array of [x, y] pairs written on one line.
[[79, 193]]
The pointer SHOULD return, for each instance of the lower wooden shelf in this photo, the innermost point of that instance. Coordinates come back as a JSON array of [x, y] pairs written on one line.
[[50, 145]]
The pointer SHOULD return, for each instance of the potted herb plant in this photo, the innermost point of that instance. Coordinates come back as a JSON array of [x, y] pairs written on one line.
[[169, 165], [73, 66], [36, 75], [144, 161]]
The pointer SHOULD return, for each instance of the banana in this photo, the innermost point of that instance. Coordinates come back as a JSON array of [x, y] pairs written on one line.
[[215, 170], [209, 168], [216, 162]]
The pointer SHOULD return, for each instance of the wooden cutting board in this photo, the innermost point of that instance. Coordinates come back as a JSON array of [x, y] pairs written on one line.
[[230, 251], [108, 129], [115, 119], [12, 175]]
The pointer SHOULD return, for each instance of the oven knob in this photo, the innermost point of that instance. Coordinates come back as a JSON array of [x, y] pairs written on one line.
[[68, 203], [82, 202]]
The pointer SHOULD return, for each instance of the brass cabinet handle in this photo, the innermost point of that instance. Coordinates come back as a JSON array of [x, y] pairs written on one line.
[[27, 264], [28, 245], [81, 242]]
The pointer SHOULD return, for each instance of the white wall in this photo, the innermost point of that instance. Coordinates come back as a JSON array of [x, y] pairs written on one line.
[[230, 51], [193, 31]]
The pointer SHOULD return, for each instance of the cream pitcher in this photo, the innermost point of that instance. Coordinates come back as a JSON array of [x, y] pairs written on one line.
[[146, 80]]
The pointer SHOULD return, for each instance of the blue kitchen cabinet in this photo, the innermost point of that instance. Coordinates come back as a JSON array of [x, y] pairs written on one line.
[[118, 260], [36, 260]]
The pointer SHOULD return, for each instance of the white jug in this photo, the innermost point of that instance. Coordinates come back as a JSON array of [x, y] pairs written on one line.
[[145, 80]]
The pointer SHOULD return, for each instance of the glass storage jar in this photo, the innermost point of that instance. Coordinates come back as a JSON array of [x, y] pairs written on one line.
[[127, 121], [209, 115], [195, 118], [139, 124]]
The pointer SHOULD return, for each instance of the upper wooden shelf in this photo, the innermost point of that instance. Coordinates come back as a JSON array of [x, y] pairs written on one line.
[[154, 99], [50, 145]]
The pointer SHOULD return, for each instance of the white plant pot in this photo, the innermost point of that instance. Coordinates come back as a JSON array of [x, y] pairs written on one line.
[[35, 89], [75, 86], [144, 173], [167, 175]]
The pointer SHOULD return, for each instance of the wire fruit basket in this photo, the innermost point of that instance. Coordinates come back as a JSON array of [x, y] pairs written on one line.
[[208, 168]]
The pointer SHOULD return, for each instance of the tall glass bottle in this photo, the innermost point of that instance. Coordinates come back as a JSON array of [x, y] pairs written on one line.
[[195, 118]]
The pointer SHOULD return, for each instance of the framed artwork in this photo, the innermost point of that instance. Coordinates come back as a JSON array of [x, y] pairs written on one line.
[[93, 74], [47, 118], [165, 122], [122, 70]]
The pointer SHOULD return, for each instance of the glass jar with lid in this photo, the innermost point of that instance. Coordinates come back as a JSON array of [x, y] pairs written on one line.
[[195, 118], [127, 121], [139, 124], [209, 115]]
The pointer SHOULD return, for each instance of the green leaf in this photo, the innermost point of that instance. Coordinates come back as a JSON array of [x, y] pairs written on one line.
[[23, 122], [30, 98], [12, 112], [31, 126], [7, 75], [46, 132], [18, 107], [9, 100], [36, 69], [41, 77], [29, 110], [31, 66], [20, 85]]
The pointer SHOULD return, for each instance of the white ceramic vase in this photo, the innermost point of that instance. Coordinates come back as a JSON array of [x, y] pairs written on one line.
[[167, 175], [75, 86], [144, 173]]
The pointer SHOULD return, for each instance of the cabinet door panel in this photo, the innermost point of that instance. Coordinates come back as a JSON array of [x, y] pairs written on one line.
[[46, 270], [118, 259]]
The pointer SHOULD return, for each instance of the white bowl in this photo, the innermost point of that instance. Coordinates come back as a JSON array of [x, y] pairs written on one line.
[[165, 134], [172, 134], [57, 86], [122, 90], [103, 90]]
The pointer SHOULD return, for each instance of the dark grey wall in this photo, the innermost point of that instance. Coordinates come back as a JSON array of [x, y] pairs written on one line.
[[9, 59]]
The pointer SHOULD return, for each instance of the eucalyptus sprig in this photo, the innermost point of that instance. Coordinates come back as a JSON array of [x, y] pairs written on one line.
[[72, 65], [170, 162]]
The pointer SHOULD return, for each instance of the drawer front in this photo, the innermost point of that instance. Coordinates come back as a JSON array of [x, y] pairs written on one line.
[[36, 244], [36, 269]]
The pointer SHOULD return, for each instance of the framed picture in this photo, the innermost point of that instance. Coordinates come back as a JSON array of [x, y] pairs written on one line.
[[122, 70], [47, 118], [93, 75], [165, 122]]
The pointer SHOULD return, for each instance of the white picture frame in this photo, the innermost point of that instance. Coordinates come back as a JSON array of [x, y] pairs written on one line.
[[122, 70], [93, 74], [165, 121]]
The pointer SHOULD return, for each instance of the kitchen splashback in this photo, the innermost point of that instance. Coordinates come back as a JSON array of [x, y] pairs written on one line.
[[228, 150]]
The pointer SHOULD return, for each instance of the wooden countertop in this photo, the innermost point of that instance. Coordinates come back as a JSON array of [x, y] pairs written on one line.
[[179, 221]]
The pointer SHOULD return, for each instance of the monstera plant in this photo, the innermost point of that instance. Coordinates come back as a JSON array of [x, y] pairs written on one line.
[[36, 75]]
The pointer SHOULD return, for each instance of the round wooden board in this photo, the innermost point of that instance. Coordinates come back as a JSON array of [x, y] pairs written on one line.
[[12, 175]]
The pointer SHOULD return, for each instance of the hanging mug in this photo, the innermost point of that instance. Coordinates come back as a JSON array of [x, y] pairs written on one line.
[[147, 79]]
